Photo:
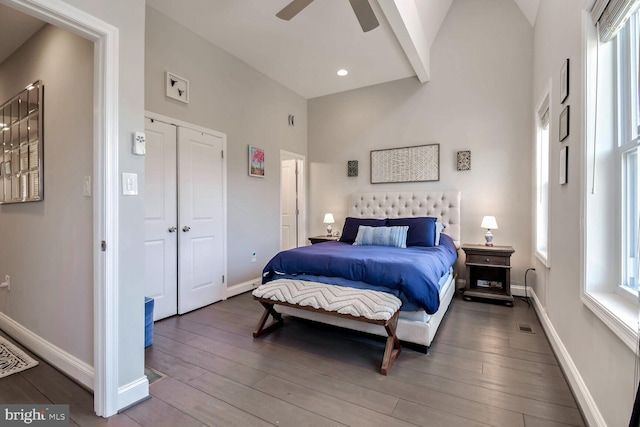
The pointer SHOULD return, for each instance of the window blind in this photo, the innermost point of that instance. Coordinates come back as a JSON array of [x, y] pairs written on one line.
[[612, 15]]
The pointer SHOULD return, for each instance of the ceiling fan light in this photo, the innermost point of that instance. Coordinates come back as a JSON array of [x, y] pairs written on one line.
[[342, 72]]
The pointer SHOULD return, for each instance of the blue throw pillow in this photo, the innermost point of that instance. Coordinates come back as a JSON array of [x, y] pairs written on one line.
[[382, 236], [422, 230], [350, 229]]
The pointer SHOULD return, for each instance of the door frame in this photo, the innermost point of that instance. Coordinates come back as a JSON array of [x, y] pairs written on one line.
[[179, 123], [105, 38], [302, 200]]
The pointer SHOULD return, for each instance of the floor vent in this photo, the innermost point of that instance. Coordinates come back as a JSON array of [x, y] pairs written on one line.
[[525, 327]]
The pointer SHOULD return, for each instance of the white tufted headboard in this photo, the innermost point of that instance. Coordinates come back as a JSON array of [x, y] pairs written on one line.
[[444, 205]]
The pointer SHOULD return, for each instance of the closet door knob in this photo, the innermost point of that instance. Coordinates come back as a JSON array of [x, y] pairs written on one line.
[[186, 228], [172, 229]]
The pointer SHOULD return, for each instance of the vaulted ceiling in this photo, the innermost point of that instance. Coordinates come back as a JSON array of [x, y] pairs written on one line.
[[304, 53]]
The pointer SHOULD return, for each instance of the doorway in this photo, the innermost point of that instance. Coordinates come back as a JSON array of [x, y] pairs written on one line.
[[292, 200], [185, 221]]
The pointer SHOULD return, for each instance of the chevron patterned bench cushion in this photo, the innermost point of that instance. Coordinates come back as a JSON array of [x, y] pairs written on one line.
[[365, 303]]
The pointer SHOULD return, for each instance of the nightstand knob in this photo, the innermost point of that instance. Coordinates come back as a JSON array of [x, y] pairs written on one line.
[[486, 259]]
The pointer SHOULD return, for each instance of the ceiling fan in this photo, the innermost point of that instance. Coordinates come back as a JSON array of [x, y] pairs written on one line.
[[361, 8]]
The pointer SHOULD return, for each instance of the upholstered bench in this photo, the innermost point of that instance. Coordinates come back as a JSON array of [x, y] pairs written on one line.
[[361, 305]]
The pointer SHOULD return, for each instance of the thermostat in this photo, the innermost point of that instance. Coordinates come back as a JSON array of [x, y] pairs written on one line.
[[139, 144]]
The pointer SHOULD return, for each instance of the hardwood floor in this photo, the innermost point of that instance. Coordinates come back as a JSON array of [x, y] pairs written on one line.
[[481, 370]]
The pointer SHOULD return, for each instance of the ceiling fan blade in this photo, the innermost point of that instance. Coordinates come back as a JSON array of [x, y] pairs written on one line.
[[292, 9], [365, 15]]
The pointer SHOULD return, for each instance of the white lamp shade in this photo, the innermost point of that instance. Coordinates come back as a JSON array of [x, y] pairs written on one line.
[[328, 219], [489, 222]]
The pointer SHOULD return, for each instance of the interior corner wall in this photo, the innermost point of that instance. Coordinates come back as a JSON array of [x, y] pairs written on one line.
[[604, 362], [229, 96], [46, 245], [478, 99]]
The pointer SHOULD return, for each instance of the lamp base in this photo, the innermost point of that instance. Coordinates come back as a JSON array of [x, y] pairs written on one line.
[[329, 230], [489, 238]]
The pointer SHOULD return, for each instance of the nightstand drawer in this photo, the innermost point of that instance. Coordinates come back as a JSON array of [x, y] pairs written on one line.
[[487, 259]]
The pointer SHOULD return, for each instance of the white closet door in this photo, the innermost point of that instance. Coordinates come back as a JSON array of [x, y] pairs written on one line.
[[201, 220], [160, 202], [288, 205]]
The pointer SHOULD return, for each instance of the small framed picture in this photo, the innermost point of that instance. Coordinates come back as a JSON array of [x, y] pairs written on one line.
[[463, 161], [563, 170], [256, 161], [352, 168], [564, 124], [564, 81]]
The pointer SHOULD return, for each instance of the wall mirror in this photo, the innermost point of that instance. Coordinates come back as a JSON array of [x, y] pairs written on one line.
[[21, 160]]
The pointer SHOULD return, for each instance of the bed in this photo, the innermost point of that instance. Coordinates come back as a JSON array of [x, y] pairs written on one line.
[[415, 325]]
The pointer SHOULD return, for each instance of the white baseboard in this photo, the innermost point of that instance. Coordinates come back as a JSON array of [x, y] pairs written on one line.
[[65, 362], [241, 288], [132, 393], [592, 415]]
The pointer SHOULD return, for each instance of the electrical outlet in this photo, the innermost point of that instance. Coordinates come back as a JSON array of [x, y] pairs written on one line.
[[253, 257], [6, 283]]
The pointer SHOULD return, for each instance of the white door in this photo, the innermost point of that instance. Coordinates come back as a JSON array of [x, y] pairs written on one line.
[[160, 203], [288, 205], [201, 220]]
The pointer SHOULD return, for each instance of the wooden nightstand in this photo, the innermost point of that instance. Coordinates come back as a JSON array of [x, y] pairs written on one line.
[[320, 239], [488, 272]]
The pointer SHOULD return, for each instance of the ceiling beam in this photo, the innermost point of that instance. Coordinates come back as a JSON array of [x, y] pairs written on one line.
[[404, 19]]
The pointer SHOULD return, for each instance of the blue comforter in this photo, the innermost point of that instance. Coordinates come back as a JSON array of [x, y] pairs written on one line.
[[413, 272]]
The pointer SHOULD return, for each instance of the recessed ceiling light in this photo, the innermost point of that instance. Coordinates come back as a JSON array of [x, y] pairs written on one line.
[[342, 72]]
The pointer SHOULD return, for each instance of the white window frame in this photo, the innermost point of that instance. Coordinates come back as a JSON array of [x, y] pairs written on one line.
[[542, 174], [602, 295], [628, 128]]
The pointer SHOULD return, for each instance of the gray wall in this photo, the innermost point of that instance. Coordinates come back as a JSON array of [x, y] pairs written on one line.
[[478, 99], [47, 245], [605, 363], [229, 96]]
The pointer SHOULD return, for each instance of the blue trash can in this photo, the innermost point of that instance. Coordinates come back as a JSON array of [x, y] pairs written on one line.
[[148, 321]]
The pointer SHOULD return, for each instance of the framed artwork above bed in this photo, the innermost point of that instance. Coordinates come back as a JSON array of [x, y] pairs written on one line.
[[407, 164]]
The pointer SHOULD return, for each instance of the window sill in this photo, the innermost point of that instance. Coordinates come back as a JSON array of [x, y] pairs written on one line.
[[617, 312], [542, 257]]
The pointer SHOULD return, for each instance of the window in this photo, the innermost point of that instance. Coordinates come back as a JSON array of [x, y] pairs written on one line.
[[542, 180], [611, 189], [628, 140]]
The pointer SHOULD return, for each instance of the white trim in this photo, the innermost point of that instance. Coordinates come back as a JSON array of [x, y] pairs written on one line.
[[134, 392], [585, 401], [601, 305], [105, 171], [171, 121], [75, 368], [243, 287]]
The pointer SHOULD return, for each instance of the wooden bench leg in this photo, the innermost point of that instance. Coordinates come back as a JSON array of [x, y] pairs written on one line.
[[277, 320], [393, 348]]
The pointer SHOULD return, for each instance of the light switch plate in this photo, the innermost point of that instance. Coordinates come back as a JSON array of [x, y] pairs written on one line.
[[129, 184], [177, 87], [86, 186]]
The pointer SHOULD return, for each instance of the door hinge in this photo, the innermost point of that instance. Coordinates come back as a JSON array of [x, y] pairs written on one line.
[[103, 246], [223, 278], [222, 154]]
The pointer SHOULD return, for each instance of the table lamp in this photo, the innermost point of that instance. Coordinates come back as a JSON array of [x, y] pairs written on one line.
[[328, 219], [489, 222]]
